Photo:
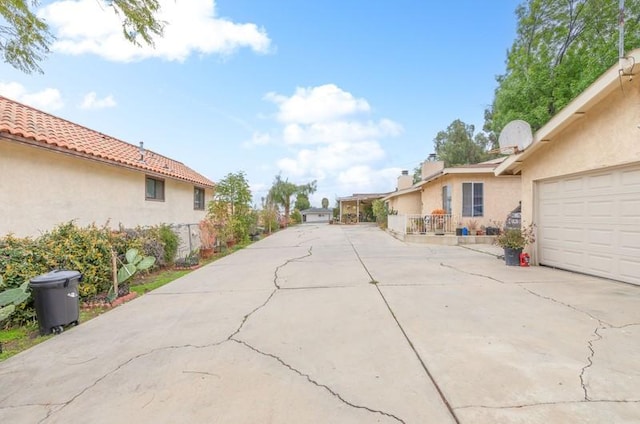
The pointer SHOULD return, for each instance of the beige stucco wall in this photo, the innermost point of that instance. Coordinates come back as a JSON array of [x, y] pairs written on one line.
[[408, 203], [40, 189], [606, 136], [501, 196]]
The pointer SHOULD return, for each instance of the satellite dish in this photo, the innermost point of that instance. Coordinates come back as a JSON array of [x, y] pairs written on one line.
[[515, 137]]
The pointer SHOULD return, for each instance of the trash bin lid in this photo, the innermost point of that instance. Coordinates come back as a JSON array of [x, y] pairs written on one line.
[[53, 278]]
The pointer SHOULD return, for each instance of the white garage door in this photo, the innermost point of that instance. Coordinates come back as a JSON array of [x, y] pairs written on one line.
[[590, 223]]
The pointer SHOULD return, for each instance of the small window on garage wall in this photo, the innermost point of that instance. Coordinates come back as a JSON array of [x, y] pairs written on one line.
[[472, 199], [198, 198], [154, 189]]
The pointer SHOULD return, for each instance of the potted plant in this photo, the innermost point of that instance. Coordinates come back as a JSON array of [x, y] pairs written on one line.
[[207, 237], [472, 225], [438, 220], [513, 240]]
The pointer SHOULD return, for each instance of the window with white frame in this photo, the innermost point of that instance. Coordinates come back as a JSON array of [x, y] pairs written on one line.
[[154, 189], [472, 199], [198, 198]]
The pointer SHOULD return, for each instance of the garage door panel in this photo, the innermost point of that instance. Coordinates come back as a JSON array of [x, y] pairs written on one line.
[[573, 236], [601, 208], [629, 207], [600, 182], [602, 263], [573, 209], [600, 237], [629, 269], [591, 223], [630, 178], [573, 185]]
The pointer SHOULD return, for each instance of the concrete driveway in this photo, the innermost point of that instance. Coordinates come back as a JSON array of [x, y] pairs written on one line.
[[345, 324]]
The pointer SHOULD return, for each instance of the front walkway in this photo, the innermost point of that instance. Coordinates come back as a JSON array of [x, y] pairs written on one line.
[[345, 324]]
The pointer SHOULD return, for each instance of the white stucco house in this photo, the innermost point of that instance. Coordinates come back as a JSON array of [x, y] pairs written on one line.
[[317, 215], [581, 179], [53, 171]]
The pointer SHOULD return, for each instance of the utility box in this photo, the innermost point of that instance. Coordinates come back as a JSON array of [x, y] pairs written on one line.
[[56, 300]]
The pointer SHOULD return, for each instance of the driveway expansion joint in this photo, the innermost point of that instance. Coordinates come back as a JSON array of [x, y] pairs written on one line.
[[315, 383], [441, 394]]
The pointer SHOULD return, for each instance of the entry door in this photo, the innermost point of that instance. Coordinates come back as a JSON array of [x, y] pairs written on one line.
[[590, 223]]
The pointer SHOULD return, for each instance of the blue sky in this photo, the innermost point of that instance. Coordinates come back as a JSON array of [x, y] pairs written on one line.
[[348, 93]]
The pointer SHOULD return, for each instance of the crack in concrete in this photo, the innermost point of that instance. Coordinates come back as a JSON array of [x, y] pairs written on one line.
[[601, 325], [633, 324], [315, 383], [119, 367], [568, 305], [275, 290], [442, 264], [279, 267], [246, 317], [533, 405], [589, 361]]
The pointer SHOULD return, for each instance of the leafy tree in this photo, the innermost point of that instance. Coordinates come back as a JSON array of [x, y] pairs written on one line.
[[25, 38], [325, 203], [457, 145], [417, 173], [230, 208], [380, 212], [302, 202], [282, 191], [234, 190], [561, 47]]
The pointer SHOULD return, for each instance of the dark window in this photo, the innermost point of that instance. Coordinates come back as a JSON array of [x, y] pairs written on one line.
[[154, 189], [198, 198], [472, 199], [446, 199]]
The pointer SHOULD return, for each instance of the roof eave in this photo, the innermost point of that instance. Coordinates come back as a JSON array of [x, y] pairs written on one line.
[[575, 110]]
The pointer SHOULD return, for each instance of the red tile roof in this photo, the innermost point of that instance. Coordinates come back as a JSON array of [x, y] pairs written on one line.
[[41, 129]]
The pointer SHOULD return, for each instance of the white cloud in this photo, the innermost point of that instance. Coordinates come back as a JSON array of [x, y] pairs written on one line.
[[88, 26], [332, 138], [48, 99], [257, 139], [330, 132], [317, 104], [91, 101]]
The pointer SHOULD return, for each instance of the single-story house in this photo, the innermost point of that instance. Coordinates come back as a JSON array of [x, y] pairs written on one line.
[[407, 199], [55, 171], [467, 193], [581, 179], [317, 215]]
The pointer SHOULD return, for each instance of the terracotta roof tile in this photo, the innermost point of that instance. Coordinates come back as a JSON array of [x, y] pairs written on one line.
[[23, 121]]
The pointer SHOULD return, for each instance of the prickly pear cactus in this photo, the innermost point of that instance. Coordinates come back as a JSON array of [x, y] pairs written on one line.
[[10, 298]]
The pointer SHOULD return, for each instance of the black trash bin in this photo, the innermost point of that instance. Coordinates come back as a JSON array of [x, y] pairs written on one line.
[[56, 300]]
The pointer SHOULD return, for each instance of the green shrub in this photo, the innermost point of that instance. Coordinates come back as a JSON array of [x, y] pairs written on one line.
[[171, 242], [296, 216], [87, 250]]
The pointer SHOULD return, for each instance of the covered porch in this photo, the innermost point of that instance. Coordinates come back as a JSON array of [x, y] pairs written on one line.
[[358, 207]]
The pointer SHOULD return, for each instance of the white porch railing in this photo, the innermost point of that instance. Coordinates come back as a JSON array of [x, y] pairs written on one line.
[[422, 224]]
